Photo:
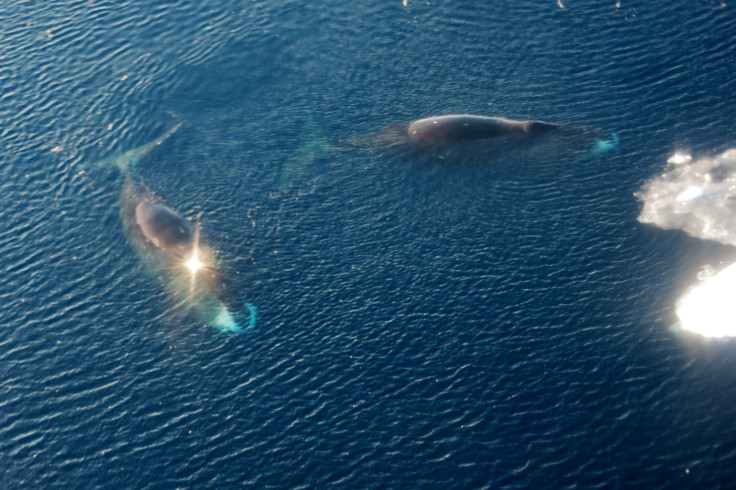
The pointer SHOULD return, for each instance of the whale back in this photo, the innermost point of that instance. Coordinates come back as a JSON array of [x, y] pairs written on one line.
[[444, 129], [163, 227]]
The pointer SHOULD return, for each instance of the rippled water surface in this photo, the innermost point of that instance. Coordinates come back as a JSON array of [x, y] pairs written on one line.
[[465, 319]]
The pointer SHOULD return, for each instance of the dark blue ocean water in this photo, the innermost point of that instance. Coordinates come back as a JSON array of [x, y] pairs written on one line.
[[503, 323]]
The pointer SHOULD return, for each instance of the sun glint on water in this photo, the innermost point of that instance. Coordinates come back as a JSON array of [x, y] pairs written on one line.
[[709, 309], [194, 264]]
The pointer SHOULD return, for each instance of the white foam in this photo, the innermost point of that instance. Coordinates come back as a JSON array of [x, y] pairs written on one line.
[[697, 197]]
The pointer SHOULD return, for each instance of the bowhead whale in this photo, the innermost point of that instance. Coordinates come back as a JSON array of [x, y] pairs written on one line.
[[170, 246], [164, 228], [454, 139], [464, 127]]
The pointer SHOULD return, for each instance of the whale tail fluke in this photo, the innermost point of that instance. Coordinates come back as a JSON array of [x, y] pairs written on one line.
[[601, 146], [252, 318], [127, 161], [313, 145], [229, 323]]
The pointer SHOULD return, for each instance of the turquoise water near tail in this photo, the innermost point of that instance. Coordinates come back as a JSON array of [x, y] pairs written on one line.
[[470, 322]]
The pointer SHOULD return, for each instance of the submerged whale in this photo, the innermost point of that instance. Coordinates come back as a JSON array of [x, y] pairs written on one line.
[[171, 248]]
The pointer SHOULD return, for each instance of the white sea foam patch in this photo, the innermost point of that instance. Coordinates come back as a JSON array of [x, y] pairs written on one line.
[[697, 197], [709, 308]]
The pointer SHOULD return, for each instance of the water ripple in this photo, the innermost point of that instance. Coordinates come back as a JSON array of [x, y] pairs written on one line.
[[490, 325]]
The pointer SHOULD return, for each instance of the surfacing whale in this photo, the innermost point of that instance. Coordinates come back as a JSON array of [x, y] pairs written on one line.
[[467, 139], [163, 227], [170, 246], [463, 127]]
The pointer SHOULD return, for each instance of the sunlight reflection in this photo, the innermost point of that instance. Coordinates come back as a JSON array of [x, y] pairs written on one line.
[[709, 309], [194, 264]]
